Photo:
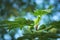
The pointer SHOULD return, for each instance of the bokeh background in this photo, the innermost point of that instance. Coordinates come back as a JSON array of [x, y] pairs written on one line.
[[11, 9]]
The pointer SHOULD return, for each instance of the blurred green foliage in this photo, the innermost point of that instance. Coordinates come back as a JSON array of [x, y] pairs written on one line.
[[44, 32]]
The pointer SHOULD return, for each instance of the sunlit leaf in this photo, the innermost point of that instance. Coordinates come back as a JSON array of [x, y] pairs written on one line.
[[41, 12]]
